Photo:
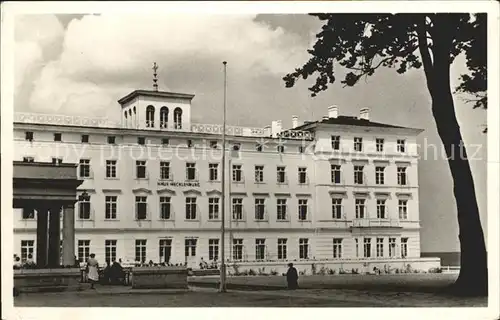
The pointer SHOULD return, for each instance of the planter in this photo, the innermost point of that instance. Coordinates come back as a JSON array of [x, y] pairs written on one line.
[[47, 280], [159, 278]]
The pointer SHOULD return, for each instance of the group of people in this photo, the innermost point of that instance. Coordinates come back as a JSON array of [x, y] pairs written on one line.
[[206, 265], [113, 273], [28, 264]]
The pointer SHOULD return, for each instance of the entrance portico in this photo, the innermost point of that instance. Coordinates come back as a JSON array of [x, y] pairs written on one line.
[[49, 189]]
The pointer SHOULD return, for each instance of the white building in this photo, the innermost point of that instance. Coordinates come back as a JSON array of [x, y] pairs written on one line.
[[342, 189]]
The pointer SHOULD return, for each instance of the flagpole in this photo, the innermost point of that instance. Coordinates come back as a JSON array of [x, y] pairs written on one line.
[[223, 209]]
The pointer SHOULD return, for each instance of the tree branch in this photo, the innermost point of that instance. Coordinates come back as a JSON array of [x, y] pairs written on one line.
[[424, 50]]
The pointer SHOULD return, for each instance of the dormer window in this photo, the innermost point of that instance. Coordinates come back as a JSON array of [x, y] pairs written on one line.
[[57, 137], [213, 144], [29, 135], [190, 143], [236, 147], [85, 138], [150, 117], [141, 140], [111, 140]]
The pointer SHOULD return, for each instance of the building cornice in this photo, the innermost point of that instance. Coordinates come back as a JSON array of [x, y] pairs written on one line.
[[156, 94]]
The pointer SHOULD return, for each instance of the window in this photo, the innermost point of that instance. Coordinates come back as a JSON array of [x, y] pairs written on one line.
[[259, 174], [28, 159], [360, 208], [213, 208], [178, 118], [303, 248], [165, 250], [280, 148], [140, 250], [163, 117], [367, 248], [213, 171], [28, 213], [282, 249], [165, 141], [190, 171], [379, 175], [260, 209], [392, 247], [213, 144], [302, 149], [258, 147], [57, 137], [335, 171], [358, 174], [110, 207], [190, 247], [237, 209], [190, 143], [358, 144], [381, 214], [380, 144], [402, 176], [110, 168], [356, 241], [237, 173], [110, 250], [84, 209], [57, 160], [302, 209], [190, 208], [165, 209], [28, 135], [237, 249], [281, 175], [150, 117], [85, 138], [111, 139], [404, 247], [302, 175], [336, 142], [281, 209], [260, 249], [213, 249], [141, 141], [380, 247], [164, 170], [236, 147], [337, 248], [140, 169], [401, 145], [27, 248], [141, 208], [336, 208], [84, 168], [403, 209], [83, 250]]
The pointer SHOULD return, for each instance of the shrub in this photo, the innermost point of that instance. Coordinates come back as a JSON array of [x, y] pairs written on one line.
[[354, 271], [313, 268], [251, 272], [331, 271], [342, 271], [274, 272], [322, 271]]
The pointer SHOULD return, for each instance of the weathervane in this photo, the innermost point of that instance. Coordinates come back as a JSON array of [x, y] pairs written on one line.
[[155, 78]]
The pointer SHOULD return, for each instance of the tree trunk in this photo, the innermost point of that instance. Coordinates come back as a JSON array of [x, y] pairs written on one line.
[[473, 278]]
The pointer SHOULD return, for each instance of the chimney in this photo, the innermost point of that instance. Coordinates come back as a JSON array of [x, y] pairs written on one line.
[[333, 112], [295, 122], [275, 128], [364, 114]]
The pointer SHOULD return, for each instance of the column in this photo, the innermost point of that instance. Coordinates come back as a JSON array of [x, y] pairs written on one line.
[[41, 236], [54, 236], [69, 236]]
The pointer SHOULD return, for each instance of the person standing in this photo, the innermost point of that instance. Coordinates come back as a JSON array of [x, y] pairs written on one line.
[[292, 277], [92, 270]]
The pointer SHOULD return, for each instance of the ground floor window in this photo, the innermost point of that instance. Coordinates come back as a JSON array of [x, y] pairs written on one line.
[[27, 248], [260, 249], [190, 247], [404, 247], [392, 247], [367, 247], [303, 248], [380, 247], [140, 250], [83, 250], [337, 248], [282, 249], [165, 250], [110, 250], [237, 249], [213, 249]]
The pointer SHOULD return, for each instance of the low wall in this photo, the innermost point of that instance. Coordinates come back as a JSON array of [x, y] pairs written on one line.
[[159, 277], [328, 266], [47, 280]]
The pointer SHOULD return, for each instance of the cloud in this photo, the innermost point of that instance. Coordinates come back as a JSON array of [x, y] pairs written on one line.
[[104, 57]]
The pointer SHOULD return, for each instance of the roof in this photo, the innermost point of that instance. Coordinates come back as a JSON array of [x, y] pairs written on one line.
[[151, 93], [345, 120]]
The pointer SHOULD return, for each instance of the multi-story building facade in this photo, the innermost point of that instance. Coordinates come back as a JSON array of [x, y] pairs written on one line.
[[341, 188]]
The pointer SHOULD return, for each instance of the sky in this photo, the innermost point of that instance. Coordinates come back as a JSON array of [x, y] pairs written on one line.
[[81, 65]]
